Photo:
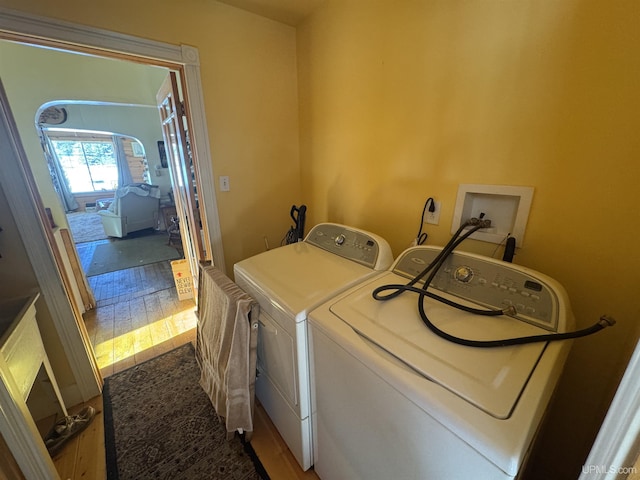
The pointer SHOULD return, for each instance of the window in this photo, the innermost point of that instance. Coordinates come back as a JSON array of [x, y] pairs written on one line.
[[89, 165], [89, 159]]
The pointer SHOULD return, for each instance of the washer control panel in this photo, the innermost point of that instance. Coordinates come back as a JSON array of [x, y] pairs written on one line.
[[487, 282], [353, 244]]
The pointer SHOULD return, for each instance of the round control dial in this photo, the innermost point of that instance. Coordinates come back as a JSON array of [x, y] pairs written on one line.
[[463, 274], [340, 239]]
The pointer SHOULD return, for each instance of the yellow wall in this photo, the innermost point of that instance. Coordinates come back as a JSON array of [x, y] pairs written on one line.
[[400, 101], [248, 72]]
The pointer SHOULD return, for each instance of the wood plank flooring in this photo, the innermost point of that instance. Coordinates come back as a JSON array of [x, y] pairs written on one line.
[[139, 317], [128, 327]]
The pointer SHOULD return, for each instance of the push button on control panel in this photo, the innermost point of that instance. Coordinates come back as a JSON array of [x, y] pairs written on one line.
[[463, 274]]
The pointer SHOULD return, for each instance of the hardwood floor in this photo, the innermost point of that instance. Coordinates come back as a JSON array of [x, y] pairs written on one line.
[[138, 317], [130, 327]]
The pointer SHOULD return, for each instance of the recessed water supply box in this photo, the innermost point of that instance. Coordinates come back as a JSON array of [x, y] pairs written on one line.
[[506, 206]]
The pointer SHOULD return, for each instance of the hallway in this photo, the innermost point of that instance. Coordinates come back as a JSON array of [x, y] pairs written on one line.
[[138, 316]]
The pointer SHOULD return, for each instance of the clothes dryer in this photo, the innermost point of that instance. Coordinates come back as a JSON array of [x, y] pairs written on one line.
[[288, 282], [391, 399]]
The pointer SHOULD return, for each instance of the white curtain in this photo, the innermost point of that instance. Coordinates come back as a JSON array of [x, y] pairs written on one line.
[[58, 177], [124, 173]]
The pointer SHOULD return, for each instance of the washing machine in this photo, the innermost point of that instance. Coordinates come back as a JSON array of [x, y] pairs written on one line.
[[391, 399], [288, 282]]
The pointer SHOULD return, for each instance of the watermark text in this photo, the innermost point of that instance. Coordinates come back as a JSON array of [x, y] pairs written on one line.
[[609, 469]]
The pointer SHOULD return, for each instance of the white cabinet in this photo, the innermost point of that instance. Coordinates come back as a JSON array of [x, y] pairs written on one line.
[[21, 356]]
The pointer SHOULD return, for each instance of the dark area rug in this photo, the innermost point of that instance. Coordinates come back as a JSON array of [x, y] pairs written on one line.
[[135, 250], [160, 424]]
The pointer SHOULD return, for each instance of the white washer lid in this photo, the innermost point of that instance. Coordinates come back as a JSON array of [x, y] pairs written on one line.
[[492, 379], [300, 276]]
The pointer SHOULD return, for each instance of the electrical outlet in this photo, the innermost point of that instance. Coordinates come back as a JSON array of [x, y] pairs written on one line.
[[224, 183], [433, 218]]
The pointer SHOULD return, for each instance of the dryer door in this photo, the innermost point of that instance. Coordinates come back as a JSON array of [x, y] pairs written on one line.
[[276, 356]]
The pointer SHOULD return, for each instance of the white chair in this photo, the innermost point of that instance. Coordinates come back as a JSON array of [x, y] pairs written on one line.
[[134, 207]]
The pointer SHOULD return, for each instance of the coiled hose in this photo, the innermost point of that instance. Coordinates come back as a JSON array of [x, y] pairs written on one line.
[[432, 269]]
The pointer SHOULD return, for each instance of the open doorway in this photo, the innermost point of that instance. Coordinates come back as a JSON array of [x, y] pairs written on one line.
[[136, 313], [114, 186], [28, 195]]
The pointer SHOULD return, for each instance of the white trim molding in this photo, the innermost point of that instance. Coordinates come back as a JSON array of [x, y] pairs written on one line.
[[201, 147], [16, 425], [73, 34], [78, 37], [20, 432], [117, 44], [65, 35], [616, 447]]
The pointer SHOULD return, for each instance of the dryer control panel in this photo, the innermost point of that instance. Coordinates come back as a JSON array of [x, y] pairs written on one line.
[[353, 244], [488, 282]]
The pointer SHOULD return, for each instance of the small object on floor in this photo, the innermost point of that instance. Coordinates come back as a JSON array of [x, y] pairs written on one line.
[[68, 427]]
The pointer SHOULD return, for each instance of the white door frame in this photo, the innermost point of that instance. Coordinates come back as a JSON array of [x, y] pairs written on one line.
[[74, 37], [16, 425], [616, 447]]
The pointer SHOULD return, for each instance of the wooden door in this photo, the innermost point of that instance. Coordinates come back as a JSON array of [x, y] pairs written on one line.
[[183, 173]]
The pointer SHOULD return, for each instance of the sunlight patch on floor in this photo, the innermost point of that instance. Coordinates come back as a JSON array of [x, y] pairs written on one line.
[[127, 345]]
